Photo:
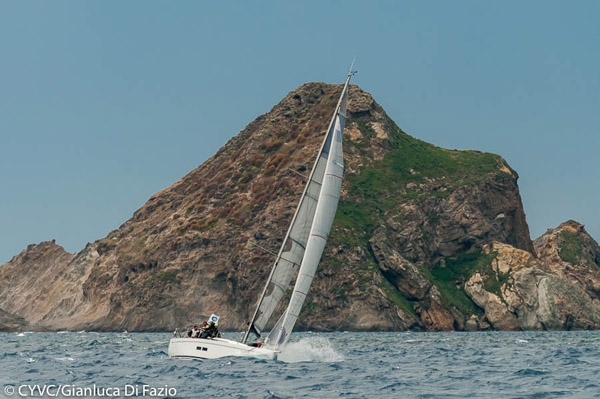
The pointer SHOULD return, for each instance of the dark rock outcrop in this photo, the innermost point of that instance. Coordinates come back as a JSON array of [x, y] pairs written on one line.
[[11, 323]]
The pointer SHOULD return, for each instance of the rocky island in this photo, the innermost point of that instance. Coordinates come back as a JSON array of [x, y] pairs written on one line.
[[425, 239]]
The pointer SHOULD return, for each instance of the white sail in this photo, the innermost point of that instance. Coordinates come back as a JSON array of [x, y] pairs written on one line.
[[296, 240], [332, 157], [291, 252]]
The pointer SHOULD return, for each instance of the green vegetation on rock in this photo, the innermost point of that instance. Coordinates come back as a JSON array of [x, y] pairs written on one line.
[[413, 170], [571, 248], [450, 279], [410, 170]]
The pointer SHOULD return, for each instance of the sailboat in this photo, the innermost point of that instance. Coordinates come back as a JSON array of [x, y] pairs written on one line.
[[299, 256]]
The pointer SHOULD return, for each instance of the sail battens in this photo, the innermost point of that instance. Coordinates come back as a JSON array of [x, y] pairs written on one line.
[[300, 244], [312, 197]]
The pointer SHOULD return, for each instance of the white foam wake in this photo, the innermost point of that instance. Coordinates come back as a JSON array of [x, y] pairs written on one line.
[[312, 349]]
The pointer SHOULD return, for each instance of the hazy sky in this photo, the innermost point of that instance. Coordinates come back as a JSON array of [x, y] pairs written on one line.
[[104, 103]]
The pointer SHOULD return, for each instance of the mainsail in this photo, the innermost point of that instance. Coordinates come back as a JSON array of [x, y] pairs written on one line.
[[305, 240]]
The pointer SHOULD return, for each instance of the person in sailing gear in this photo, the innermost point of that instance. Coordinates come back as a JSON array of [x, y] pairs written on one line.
[[213, 330], [205, 332], [194, 332], [210, 331]]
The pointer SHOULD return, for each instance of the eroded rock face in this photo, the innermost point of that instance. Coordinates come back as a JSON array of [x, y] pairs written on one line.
[[496, 311], [403, 274], [433, 314], [467, 218], [538, 293]]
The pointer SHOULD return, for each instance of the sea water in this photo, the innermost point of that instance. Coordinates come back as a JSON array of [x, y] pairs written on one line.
[[332, 365]]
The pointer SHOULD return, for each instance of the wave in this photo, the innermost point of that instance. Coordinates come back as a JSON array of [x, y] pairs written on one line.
[[311, 349]]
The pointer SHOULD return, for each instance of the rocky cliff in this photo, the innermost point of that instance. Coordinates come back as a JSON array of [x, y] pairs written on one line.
[[556, 288], [425, 239]]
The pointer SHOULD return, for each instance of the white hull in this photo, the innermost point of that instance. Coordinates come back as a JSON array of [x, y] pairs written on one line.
[[200, 348]]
